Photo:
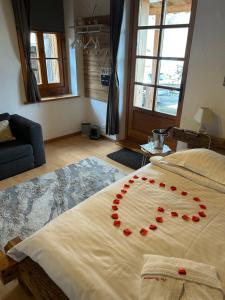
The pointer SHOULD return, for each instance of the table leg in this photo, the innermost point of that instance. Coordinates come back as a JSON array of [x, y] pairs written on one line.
[[143, 160]]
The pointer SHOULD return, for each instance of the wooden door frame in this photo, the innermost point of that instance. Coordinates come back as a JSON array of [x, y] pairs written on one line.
[[134, 10]]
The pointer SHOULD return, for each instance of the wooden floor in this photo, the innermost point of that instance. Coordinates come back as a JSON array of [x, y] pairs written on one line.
[[59, 153]]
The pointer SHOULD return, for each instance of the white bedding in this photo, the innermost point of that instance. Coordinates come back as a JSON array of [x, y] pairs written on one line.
[[90, 259]]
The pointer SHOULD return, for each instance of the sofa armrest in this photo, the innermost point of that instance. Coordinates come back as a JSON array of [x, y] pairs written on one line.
[[31, 133]]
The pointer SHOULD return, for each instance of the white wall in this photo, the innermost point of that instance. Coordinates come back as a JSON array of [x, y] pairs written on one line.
[[57, 118], [207, 66]]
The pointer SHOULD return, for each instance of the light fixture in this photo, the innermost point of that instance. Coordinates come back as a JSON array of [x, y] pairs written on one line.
[[204, 117]]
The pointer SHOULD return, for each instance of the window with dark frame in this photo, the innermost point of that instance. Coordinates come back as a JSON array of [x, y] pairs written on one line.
[[49, 63], [161, 54]]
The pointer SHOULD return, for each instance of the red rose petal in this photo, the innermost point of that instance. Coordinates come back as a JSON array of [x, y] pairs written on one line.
[[114, 207], [173, 188], [153, 227], [127, 232], [202, 206], [174, 214], [161, 209], [185, 217], [135, 177], [126, 186], [115, 216], [162, 184], [197, 199], [131, 181], [116, 201], [144, 178], [117, 223], [123, 191], [195, 219], [184, 193], [143, 232], [182, 271], [152, 181], [159, 219], [202, 214], [119, 196]]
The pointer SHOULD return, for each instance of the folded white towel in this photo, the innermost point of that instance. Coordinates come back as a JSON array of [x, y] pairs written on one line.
[[169, 278]]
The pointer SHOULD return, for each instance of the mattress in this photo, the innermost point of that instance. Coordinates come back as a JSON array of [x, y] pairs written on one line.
[[92, 257]]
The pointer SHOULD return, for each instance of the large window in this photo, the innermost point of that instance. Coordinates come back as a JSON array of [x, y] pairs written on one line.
[[161, 54], [48, 63]]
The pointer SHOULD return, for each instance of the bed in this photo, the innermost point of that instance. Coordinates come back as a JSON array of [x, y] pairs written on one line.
[[95, 250]]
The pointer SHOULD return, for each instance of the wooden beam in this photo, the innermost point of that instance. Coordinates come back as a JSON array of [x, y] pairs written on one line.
[[8, 267]]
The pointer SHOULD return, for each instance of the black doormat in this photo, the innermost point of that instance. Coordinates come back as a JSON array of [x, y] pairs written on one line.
[[128, 158]]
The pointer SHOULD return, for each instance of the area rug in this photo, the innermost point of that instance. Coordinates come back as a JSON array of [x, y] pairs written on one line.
[[127, 158], [27, 207]]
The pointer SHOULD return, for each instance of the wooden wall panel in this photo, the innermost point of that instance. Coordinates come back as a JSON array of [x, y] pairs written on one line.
[[94, 61]]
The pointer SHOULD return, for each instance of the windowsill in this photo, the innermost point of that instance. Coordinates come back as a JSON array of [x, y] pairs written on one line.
[[61, 97]]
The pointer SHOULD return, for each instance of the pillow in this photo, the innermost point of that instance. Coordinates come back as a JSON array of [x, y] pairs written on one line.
[[201, 161], [5, 132]]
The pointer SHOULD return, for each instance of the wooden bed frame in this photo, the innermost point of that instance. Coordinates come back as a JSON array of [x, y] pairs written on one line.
[[34, 279]]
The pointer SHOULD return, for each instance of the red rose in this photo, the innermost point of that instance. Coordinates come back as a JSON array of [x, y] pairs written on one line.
[[119, 196], [131, 181], [195, 219], [144, 178], [162, 184], [126, 186], [202, 206], [161, 209], [185, 217], [159, 219], [173, 188], [117, 223], [115, 216], [135, 177], [197, 199], [153, 227], [116, 201], [127, 232], [174, 214], [123, 191], [114, 207], [143, 232], [182, 271], [152, 181], [202, 214], [184, 193]]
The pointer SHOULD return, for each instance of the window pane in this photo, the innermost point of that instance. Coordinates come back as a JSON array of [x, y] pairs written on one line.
[[178, 12], [149, 12], [51, 46], [52, 66], [34, 45], [145, 70], [167, 101], [174, 42], [37, 71], [143, 96], [147, 42], [170, 73]]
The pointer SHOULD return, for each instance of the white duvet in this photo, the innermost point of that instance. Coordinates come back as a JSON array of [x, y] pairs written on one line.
[[90, 259]]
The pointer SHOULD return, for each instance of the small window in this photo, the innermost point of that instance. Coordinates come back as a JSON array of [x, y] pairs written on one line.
[[49, 63]]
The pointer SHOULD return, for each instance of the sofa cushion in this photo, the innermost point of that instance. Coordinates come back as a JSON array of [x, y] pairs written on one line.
[[16, 166], [14, 150], [5, 116]]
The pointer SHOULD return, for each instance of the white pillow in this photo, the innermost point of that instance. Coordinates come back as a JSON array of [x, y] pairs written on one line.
[[201, 161]]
